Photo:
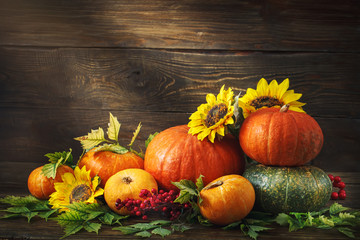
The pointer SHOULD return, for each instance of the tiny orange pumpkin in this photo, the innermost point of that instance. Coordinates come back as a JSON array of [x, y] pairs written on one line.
[[227, 199], [41, 186]]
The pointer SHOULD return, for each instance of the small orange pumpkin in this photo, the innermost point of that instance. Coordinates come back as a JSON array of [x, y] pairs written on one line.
[[127, 184], [174, 155], [227, 199], [281, 137], [106, 163], [42, 187]]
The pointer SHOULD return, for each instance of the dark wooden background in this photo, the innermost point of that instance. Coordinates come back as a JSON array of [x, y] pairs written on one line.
[[64, 65]]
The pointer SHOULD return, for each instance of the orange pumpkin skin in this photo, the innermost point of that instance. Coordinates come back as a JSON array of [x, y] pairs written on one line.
[[174, 155], [106, 163], [272, 137], [42, 187], [127, 184], [227, 199]]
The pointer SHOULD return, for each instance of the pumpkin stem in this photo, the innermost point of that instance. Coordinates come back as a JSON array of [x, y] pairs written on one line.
[[213, 185], [285, 108], [127, 180]]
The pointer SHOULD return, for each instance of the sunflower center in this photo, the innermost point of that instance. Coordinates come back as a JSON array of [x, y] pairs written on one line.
[[265, 101], [216, 113], [80, 193]]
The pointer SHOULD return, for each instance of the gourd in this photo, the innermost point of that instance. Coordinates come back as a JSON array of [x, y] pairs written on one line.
[[106, 163], [289, 189], [174, 155], [41, 186], [280, 137], [227, 199], [127, 184]]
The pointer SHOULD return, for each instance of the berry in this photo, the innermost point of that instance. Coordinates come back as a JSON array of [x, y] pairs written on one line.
[[341, 185], [341, 190], [334, 195], [335, 184], [342, 195], [144, 217], [337, 179], [331, 177]]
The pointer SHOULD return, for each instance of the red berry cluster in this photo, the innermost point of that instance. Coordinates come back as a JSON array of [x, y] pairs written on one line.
[[337, 183], [153, 201]]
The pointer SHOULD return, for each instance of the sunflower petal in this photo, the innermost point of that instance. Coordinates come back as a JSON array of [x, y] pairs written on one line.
[[262, 88], [283, 87]]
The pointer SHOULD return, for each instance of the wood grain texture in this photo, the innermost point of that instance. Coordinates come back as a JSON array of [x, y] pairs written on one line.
[[291, 25], [170, 81]]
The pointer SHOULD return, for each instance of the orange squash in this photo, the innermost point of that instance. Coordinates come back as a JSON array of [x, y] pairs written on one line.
[[174, 155], [42, 187], [127, 184], [227, 199], [281, 137], [106, 163]]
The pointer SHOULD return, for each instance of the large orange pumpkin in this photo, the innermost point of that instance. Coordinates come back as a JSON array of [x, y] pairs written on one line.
[[227, 199], [42, 187], [127, 184], [280, 137], [106, 163], [174, 155]]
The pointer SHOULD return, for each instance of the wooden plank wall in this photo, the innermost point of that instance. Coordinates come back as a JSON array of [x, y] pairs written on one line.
[[64, 65]]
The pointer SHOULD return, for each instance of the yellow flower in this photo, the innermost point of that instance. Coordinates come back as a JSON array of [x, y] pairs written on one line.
[[76, 187], [211, 118], [270, 95]]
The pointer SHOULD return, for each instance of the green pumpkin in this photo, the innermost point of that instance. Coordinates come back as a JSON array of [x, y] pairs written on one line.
[[289, 189]]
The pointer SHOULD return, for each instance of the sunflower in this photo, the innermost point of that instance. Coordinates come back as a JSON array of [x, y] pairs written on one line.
[[76, 187], [212, 117], [270, 95]]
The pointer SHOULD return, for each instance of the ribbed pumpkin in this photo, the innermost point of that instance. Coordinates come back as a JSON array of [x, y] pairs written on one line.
[[280, 137], [42, 187], [106, 163], [227, 199], [174, 155], [289, 189]]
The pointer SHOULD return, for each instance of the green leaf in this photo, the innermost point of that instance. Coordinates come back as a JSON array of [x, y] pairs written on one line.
[[47, 214], [150, 138], [144, 234], [72, 229], [135, 134], [18, 209], [92, 139], [22, 201], [336, 208], [50, 169], [30, 215], [180, 227], [114, 128], [127, 230], [163, 232], [66, 156], [143, 226], [183, 197], [161, 222], [112, 148], [92, 227], [232, 225], [346, 215], [282, 219], [107, 219], [347, 231], [199, 183]]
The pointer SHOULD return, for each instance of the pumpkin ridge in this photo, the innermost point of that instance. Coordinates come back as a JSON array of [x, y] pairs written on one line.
[[268, 147], [316, 181], [287, 189], [297, 139]]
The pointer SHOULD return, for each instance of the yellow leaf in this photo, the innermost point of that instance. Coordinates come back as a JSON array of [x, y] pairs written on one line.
[[136, 133], [114, 128], [93, 138]]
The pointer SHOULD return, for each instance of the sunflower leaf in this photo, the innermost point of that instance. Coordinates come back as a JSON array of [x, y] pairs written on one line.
[[92, 227], [135, 134], [50, 169], [54, 157], [92, 139], [163, 232], [114, 128]]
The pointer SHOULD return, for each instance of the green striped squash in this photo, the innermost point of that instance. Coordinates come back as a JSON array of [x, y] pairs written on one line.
[[289, 189]]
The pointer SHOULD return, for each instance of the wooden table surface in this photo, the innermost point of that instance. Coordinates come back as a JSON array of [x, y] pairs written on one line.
[[40, 229]]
